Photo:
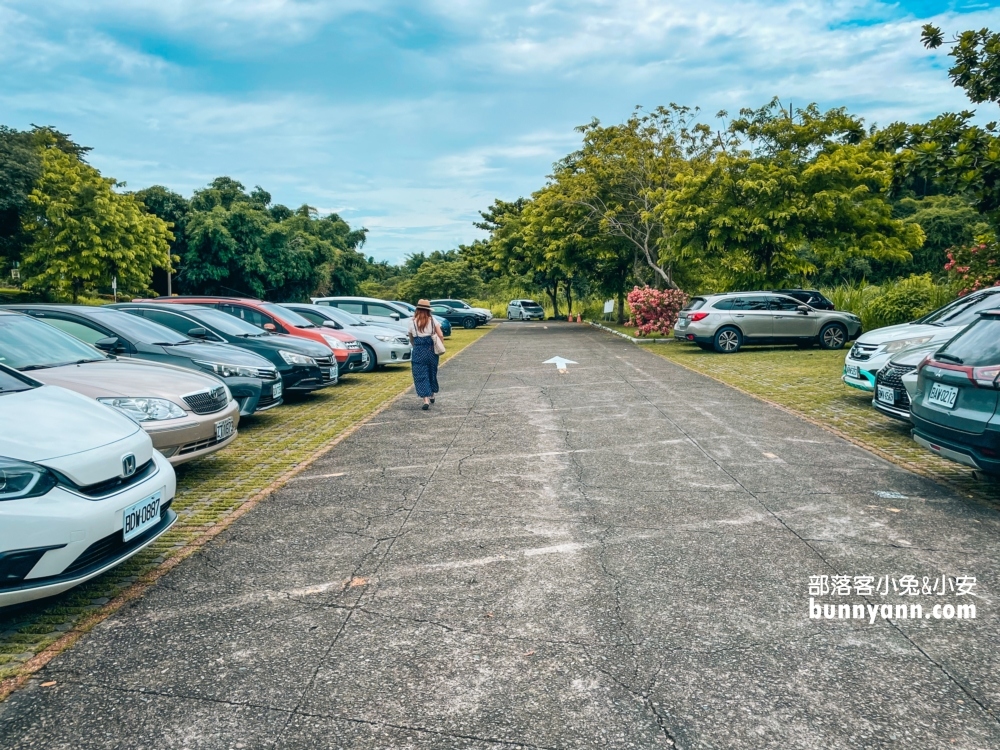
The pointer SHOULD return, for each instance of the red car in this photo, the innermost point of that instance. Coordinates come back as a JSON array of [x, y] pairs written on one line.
[[271, 317]]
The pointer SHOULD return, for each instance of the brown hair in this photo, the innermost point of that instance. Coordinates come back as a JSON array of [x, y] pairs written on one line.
[[420, 319]]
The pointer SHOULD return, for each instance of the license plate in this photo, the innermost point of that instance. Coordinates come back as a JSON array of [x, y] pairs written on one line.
[[943, 395], [852, 371], [886, 395], [682, 323], [224, 428], [141, 516], [276, 390]]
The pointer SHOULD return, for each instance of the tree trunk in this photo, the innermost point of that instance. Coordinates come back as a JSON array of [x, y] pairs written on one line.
[[569, 295], [621, 304], [553, 293], [663, 275]]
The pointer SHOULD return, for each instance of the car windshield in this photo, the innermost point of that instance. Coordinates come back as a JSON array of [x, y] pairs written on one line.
[[342, 317], [10, 383], [962, 311], [26, 343], [290, 317], [224, 322], [977, 346], [138, 330], [529, 303]]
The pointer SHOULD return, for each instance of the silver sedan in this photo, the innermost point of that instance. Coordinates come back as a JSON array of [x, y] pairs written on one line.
[[384, 345]]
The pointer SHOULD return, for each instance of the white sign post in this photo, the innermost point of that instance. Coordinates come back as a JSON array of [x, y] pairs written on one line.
[[609, 307], [114, 287]]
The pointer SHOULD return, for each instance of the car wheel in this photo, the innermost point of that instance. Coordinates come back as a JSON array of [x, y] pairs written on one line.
[[372, 362], [833, 336], [468, 322], [728, 340], [509, 316]]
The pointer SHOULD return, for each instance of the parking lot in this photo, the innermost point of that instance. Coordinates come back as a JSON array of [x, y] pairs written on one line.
[[618, 555]]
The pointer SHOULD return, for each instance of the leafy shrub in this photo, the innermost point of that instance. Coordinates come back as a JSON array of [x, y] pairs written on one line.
[[903, 301], [655, 310], [974, 267]]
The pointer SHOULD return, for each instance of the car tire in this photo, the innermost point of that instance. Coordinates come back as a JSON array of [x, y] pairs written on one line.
[[832, 336], [728, 340], [468, 322], [509, 316], [372, 361]]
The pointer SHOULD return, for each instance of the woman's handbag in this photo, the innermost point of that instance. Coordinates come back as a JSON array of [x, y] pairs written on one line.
[[438, 344]]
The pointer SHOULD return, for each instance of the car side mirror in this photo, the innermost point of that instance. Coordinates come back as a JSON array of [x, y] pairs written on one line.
[[110, 344], [270, 327], [198, 333], [394, 316], [331, 324], [804, 309]]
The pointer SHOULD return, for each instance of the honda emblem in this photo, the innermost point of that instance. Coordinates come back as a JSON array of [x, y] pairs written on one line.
[[128, 465]]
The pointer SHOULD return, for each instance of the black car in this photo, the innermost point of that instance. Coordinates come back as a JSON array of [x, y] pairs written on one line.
[[250, 377], [295, 358], [812, 297], [464, 318]]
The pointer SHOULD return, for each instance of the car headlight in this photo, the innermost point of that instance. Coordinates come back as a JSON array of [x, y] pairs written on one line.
[[19, 479], [897, 346], [385, 338], [224, 370], [334, 343], [145, 409], [295, 359]]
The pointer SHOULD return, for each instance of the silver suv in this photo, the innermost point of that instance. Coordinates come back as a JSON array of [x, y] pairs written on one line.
[[725, 322]]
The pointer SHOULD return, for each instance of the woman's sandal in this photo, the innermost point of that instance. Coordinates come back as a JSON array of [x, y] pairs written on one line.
[[425, 407], [432, 400]]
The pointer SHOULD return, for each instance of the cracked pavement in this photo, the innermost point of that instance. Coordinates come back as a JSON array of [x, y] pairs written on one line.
[[614, 557]]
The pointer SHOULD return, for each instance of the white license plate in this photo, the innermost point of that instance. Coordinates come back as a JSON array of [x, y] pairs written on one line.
[[682, 323], [886, 395], [224, 428], [852, 371], [276, 390], [943, 395], [141, 516]]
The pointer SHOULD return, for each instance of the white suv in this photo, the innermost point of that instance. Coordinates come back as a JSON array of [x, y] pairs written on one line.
[[873, 350], [81, 489]]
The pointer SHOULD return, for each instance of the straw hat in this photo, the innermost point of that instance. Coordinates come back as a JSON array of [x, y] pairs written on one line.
[[424, 305]]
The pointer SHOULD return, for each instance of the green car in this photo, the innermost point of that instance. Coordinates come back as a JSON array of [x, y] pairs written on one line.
[[954, 408]]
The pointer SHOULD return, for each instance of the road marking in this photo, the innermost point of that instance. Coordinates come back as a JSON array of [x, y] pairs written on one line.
[[560, 363]]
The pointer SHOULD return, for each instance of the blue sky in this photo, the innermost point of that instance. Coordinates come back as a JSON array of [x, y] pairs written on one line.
[[409, 117]]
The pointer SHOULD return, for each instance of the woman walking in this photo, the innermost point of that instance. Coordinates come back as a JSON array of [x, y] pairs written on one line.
[[422, 332]]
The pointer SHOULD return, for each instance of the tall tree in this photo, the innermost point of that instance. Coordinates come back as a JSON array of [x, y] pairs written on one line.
[[20, 168], [83, 233]]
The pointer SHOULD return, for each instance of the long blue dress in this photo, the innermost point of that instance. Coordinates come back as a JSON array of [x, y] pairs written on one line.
[[424, 366]]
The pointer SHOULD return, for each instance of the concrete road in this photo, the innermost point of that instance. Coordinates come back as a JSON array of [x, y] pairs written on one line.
[[618, 556]]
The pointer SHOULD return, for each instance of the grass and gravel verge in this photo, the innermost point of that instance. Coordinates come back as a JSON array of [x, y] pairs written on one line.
[[270, 448], [808, 384]]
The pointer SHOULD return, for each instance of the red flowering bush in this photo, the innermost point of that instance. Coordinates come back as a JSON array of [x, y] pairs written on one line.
[[655, 310], [974, 267]]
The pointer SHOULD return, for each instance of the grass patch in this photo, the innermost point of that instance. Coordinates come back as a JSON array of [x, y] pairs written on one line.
[[208, 490], [808, 383]]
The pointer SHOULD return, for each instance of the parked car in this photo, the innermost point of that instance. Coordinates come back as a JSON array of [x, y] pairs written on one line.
[[812, 297], [444, 324], [246, 374], [383, 346], [954, 409], [175, 406], [458, 304], [82, 491], [294, 359], [271, 317], [464, 318], [524, 309], [891, 395], [377, 311], [873, 349], [726, 322]]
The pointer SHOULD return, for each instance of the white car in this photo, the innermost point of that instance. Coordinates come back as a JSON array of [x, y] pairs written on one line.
[[873, 350], [81, 489]]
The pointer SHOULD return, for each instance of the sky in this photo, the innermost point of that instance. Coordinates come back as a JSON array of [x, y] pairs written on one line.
[[407, 118]]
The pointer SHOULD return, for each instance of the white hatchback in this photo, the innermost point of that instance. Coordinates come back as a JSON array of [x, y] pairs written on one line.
[[81, 489]]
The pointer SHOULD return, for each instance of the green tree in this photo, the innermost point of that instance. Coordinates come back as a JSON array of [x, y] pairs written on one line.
[[800, 194], [82, 233], [448, 279], [20, 168]]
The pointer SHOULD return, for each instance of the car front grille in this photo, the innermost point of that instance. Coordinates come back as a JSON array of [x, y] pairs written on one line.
[[101, 490], [326, 365], [891, 376], [862, 352], [265, 401], [201, 445], [208, 402], [109, 548], [267, 373]]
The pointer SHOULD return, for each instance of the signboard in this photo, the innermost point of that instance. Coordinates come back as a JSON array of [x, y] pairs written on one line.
[[609, 306]]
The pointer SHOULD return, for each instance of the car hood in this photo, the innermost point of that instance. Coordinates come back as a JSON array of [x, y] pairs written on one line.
[[908, 330], [483, 310], [122, 378], [231, 355], [371, 329], [913, 355], [70, 433], [277, 341]]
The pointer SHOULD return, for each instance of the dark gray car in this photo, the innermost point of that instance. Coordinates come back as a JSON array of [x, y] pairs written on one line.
[[125, 335]]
